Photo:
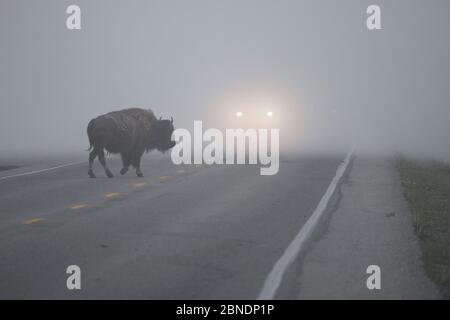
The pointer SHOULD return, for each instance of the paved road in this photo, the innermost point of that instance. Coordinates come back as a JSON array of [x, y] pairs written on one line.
[[181, 232]]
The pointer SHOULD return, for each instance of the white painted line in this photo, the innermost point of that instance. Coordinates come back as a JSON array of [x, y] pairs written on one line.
[[40, 171], [275, 277]]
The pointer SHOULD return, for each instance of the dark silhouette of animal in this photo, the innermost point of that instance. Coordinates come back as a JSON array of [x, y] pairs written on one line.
[[130, 133]]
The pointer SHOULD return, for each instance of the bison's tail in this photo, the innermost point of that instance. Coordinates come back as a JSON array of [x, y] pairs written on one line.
[[90, 134]]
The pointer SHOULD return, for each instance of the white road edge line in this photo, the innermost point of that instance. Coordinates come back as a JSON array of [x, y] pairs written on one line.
[[275, 277], [42, 170]]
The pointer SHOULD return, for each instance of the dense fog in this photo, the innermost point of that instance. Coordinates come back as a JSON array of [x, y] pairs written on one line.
[[329, 81]]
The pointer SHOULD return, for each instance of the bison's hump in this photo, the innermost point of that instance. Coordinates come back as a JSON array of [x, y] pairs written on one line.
[[136, 113]]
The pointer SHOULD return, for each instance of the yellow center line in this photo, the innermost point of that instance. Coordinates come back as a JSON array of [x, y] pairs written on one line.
[[164, 178], [79, 206], [141, 184], [34, 220], [112, 194]]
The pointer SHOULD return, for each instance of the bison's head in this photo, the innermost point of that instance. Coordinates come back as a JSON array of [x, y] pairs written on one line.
[[164, 130]]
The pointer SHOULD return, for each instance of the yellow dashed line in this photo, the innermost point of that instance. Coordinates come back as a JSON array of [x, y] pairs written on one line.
[[34, 220], [112, 194], [141, 184], [79, 206], [164, 178]]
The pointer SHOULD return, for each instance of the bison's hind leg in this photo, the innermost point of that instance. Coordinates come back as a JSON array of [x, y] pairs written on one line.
[[126, 163], [101, 158], [92, 156]]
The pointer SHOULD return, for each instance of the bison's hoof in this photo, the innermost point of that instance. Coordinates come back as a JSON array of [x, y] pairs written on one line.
[[139, 174], [109, 174], [123, 171], [91, 174]]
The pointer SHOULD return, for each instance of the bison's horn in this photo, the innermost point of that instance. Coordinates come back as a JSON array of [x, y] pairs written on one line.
[[171, 119]]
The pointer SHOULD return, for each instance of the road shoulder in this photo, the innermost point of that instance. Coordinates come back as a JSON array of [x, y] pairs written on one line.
[[372, 225]]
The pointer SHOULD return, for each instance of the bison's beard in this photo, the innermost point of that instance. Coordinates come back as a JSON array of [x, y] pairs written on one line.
[[165, 147]]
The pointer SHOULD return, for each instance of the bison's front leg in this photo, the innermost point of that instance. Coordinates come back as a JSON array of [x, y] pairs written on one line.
[[137, 164], [138, 169], [101, 158]]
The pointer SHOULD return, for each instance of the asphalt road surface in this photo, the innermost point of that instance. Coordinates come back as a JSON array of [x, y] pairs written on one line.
[[181, 232]]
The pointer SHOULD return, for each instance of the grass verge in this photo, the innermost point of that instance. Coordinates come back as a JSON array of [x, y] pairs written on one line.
[[426, 186]]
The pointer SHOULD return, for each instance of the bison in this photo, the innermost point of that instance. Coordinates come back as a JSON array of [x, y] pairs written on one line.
[[130, 133]]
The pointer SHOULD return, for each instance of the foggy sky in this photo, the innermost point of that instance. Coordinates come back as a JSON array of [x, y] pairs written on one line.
[[340, 82]]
